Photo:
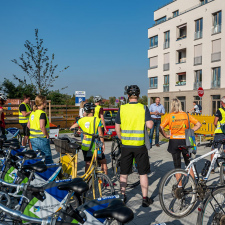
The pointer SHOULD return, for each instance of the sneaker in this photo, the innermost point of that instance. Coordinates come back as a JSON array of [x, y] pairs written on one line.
[[146, 202]]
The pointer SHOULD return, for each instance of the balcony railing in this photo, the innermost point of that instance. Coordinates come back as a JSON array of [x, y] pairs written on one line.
[[153, 67], [216, 57], [153, 46], [153, 86], [183, 60], [216, 29], [166, 45], [197, 85], [181, 83], [198, 60], [215, 84], [166, 87], [166, 67], [198, 35]]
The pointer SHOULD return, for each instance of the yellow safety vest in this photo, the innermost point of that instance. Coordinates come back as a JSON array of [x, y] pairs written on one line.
[[23, 119], [132, 117], [87, 126], [97, 110], [35, 129], [218, 128]]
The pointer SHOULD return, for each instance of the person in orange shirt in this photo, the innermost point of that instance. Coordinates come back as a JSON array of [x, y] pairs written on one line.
[[178, 123]]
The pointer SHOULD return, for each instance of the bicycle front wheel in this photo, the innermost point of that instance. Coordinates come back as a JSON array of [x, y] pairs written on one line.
[[100, 187], [222, 174], [213, 210], [115, 151], [177, 193]]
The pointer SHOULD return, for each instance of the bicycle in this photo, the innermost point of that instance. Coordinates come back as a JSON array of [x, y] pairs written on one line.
[[178, 190], [133, 178]]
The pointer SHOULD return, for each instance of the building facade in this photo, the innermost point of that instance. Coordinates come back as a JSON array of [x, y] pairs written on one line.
[[186, 52]]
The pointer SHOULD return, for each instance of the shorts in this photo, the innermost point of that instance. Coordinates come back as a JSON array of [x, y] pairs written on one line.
[[219, 137], [88, 158], [176, 153], [141, 157], [26, 130], [2, 131]]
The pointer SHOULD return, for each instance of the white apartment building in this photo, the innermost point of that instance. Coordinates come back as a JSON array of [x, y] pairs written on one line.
[[187, 51]]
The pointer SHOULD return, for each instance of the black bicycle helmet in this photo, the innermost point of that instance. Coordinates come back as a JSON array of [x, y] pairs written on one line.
[[88, 107], [132, 90]]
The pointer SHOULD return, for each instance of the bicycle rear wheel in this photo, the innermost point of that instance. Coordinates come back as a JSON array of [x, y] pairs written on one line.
[[176, 201], [222, 174], [213, 209], [133, 179], [102, 187], [115, 151]]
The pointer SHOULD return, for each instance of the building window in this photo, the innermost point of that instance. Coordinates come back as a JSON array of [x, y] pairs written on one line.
[[167, 104], [203, 2], [166, 84], [216, 50], [217, 21], [198, 55], [198, 28], [216, 78], [181, 56], [153, 62], [176, 13], [198, 100], [198, 79], [166, 65], [161, 20], [154, 41], [215, 103], [183, 103], [181, 79], [182, 31], [166, 40], [153, 82]]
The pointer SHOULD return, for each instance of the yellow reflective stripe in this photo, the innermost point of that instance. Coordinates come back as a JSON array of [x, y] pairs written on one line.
[[37, 135], [133, 131], [88, 139], [133, 138]]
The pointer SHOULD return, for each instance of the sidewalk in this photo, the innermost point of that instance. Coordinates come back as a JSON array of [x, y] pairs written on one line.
[[161, 163]]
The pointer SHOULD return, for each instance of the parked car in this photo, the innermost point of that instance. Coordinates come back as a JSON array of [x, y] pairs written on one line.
[[110, 116]]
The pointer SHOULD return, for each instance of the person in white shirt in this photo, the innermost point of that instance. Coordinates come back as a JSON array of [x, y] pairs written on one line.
[[81, 111], [196, 108]]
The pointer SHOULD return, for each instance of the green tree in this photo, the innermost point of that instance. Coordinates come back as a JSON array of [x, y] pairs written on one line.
[[91, 99], [143, 100], [58, 98], [112, 100], [38, 67]]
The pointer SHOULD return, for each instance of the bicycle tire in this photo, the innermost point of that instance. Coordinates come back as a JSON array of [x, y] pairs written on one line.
[[178, 193], [222, 174], [107, 190], [205, 214], [133, 179], [19, 138], [115, 150]]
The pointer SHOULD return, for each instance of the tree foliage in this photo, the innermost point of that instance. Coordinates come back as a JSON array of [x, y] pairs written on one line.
[[38, 66], [91, 99], [143, 100], [112, 100]]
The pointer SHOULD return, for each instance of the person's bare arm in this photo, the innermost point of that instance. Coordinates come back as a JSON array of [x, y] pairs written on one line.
[[43, 129], [103, 122], [216, 121], [152, 113], [149, 124], [118, 132], [101, 139], [191, 109], [161, 130], [25, 113], [28, 124], [74, 126], [197, 126]]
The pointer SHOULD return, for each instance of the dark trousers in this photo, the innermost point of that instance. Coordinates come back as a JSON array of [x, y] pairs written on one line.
[[156, 125]]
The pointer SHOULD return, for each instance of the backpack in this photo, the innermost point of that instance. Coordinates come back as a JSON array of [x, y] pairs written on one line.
[[200, 107]]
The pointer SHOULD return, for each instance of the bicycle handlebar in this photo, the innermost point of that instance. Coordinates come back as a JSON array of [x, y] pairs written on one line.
[[209, 144]]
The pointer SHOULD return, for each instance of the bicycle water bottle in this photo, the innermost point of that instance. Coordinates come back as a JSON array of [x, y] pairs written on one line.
[[206, 168]]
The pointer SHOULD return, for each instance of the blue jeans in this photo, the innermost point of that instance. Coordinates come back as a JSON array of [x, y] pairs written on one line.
[[42, 144], [156, 125]]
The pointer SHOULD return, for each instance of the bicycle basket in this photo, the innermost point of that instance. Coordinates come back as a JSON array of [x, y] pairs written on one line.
[[62, 146]]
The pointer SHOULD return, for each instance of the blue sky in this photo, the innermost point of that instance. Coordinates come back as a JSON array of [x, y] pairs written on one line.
[[104, 42]]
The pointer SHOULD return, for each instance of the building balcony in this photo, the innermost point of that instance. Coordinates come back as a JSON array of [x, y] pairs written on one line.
[[215, 84], [215, 57], [166, 87], [153, 86], [153, 67], [198, 60], [197, 85], [216, 29], [181, 83], [166, 67], [166, 45], [153, 46], [198, 35], [183, 60], [181, 38]]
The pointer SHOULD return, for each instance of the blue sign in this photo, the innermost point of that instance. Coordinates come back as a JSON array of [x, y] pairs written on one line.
[[79, 97], [78, 100]]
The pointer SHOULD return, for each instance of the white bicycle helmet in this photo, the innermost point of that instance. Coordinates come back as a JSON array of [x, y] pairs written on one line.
[[97, 98], [3, 97]]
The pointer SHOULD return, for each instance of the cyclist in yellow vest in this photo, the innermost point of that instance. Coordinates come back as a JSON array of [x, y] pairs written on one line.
[[99, 111], [218, 121], [87, 125], [24, 114], [39, 129], [130, 128]]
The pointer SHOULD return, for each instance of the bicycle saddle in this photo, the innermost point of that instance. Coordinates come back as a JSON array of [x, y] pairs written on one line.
[[117, 210], [37, 167], [77, 185], [74, 146], [14, 146], [30, 154]]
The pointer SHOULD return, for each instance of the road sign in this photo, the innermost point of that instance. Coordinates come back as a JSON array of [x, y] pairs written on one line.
[[117, 101], [79, 97], [121, 98], [200, 92]]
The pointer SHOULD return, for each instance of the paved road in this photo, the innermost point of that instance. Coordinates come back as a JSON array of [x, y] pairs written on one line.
[[161, 163]]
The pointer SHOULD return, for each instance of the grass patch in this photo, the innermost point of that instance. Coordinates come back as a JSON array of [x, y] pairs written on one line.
[[65, 131]]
